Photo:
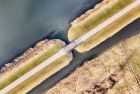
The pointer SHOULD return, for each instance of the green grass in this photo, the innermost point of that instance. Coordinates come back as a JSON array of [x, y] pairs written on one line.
[[40, 76], [84, 26], [29, 66], [88, 24], [112, 28]]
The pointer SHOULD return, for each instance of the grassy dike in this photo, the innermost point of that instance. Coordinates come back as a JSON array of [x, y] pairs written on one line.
[[122, 60], [98, 16], [41, 76], [29, 61]]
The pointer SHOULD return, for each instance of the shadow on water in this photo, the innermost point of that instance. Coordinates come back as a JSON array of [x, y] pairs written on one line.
[[128, 31], [24, 23]]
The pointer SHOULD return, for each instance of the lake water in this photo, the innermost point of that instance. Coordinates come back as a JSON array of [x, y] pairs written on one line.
[[25, 22]]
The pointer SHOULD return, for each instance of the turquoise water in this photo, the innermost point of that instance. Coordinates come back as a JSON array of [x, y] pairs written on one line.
[[25, 22]]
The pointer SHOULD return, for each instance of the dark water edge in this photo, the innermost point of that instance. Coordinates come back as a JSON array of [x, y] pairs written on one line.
[[23, 23], [79, 59]]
